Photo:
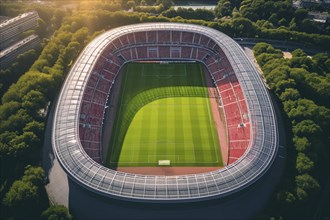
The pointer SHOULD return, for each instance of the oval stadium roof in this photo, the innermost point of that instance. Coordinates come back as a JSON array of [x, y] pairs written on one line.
[[219, 183]]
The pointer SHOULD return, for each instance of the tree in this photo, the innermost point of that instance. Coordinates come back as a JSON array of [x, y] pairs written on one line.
[[285, 197], [35, 175], [308, 26], [23, 145], [284, 84], [56, 212], [71, 52], [264, 24], [262, 47], [300, 14], [16, 121], [21, 194], [42, 28], [273, 18], [290, 94], [244, 27], [320, 60], [293, 25], [301, 194], [131, 4], [303, 163], [166, 3], [298, 74], [248, 13], [5, 138], [31, 80], [235, 13], [25, 198], [143, 3], [21, 65], [201, 14], [306, 128], [33, 101], [307, 183], [7, 109], [35, 127], [282, 22], [298, 53], [223, 8], [302, 62], [277, 75], [305, 109], [301, 143], [271, 64], [80, 36]]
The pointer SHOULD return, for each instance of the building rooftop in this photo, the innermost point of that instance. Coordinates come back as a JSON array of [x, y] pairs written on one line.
[[13, 20], [17, 45]]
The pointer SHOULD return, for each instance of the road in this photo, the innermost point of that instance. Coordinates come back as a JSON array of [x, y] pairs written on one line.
[[284, 45]]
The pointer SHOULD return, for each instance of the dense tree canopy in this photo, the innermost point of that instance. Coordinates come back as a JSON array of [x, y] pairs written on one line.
[[300, 84], [304, 163], [21, 194], [199, 14], [24, 199], [56, 212]]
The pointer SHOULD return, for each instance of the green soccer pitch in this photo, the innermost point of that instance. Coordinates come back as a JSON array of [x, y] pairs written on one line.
[[164, 114]]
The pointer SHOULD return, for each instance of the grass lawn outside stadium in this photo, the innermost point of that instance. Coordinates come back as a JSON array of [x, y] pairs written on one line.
[[164, 113]]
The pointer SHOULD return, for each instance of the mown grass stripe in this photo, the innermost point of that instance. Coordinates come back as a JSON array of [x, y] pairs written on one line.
[[169, 127], [178, 131], [144, 137], [196, 131], [162, 130]]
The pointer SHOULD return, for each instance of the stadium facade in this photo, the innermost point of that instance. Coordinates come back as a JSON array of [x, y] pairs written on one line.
[[80, 156]]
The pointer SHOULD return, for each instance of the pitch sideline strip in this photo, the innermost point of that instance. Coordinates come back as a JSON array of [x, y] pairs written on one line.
[[209, 114]]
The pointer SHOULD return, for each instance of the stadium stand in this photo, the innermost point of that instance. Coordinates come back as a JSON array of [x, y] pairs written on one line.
[[149, 47], [152, 36], [252, 145]]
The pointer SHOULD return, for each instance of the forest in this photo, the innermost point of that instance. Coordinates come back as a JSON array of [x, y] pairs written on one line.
[[32, 83]]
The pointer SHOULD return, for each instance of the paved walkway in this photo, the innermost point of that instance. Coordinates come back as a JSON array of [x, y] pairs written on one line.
[[58, 186]]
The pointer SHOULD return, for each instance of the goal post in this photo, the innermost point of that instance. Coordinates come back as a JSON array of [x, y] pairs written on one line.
[[164, 162]]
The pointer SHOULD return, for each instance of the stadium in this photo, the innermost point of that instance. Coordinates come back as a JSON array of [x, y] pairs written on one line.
[[83, 113]]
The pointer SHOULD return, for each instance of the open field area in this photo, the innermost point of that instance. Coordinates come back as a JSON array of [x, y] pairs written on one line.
[[164, 114]]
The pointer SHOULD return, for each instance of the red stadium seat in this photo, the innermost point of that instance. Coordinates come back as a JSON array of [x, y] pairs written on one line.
[[152, 36], [140, 37]]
